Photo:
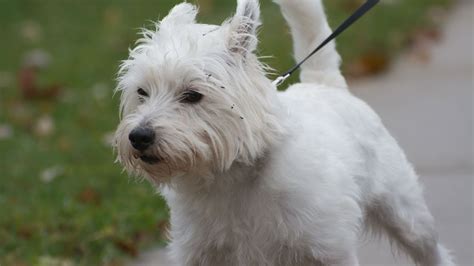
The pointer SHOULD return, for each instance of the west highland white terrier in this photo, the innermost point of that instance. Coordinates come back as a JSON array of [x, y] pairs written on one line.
[[253, 176]]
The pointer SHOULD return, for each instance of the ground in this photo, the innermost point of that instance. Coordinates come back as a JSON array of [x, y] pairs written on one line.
[[428, 108]]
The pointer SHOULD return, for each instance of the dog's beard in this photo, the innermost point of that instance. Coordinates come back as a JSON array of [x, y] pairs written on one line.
[[172, 155]]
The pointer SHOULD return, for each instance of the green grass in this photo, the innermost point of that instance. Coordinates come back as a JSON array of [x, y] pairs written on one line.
[[92, 213]]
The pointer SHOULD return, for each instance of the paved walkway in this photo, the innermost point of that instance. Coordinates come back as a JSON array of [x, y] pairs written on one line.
[[428, 108]]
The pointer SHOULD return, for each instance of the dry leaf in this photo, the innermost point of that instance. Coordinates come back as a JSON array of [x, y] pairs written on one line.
[[31, 31], [368, 64], [27, 79], [89, 196], [6, 131], [44, 126], [25, 232], [127, 247], [33, 62], [51, 173]]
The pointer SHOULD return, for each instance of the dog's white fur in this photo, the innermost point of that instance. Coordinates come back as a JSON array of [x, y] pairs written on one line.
[[256, 177]]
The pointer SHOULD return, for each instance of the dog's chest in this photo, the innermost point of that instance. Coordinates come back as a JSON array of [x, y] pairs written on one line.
[[244, 222], [229, 214]]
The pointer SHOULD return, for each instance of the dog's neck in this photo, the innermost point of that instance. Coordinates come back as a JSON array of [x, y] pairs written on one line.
[[238, 175], [194, 203]]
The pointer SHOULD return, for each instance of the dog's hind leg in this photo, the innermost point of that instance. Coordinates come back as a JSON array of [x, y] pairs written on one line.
[[309, 27], [401, 213]]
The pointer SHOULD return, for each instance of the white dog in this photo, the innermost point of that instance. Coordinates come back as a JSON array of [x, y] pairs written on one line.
[[256, 177]]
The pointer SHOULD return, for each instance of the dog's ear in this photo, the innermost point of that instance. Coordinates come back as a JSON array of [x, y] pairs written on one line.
[[243, 27], [183, 13]]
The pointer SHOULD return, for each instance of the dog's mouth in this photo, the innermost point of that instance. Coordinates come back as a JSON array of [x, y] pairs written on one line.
[[150, 159]]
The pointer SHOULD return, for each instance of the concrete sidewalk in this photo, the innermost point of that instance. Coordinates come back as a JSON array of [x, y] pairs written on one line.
[[428, 108]]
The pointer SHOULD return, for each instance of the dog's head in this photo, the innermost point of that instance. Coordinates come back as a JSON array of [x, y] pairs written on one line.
[[194, 97]]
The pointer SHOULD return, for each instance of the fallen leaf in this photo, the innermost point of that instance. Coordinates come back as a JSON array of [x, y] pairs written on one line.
[[33, 62], [44, 126], [25, 232], [31, 31], [27, 79], [127, 247], [368, 64], [51, 173], [6, 131], [140, 236], [89, 196]]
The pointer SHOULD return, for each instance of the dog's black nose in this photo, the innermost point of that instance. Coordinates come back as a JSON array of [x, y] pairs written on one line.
[[142, 138]]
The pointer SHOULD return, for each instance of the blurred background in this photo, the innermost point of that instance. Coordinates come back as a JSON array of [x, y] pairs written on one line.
[[63, 200]]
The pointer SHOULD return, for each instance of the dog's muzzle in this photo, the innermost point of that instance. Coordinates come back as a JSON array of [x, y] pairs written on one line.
[[142, 138]]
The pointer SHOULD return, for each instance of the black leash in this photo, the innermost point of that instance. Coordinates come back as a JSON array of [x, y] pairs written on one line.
[[346, 24]]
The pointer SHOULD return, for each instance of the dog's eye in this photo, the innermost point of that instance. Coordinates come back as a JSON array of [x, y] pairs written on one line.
[[191, 97], [142, 92]]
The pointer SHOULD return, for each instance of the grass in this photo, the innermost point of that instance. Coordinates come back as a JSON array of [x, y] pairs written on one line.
[[91, 213]]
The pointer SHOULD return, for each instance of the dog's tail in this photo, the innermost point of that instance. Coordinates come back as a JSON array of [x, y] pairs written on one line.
[[309, 27]]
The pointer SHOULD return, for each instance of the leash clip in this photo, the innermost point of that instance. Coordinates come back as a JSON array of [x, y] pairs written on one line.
[[277, 82]]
